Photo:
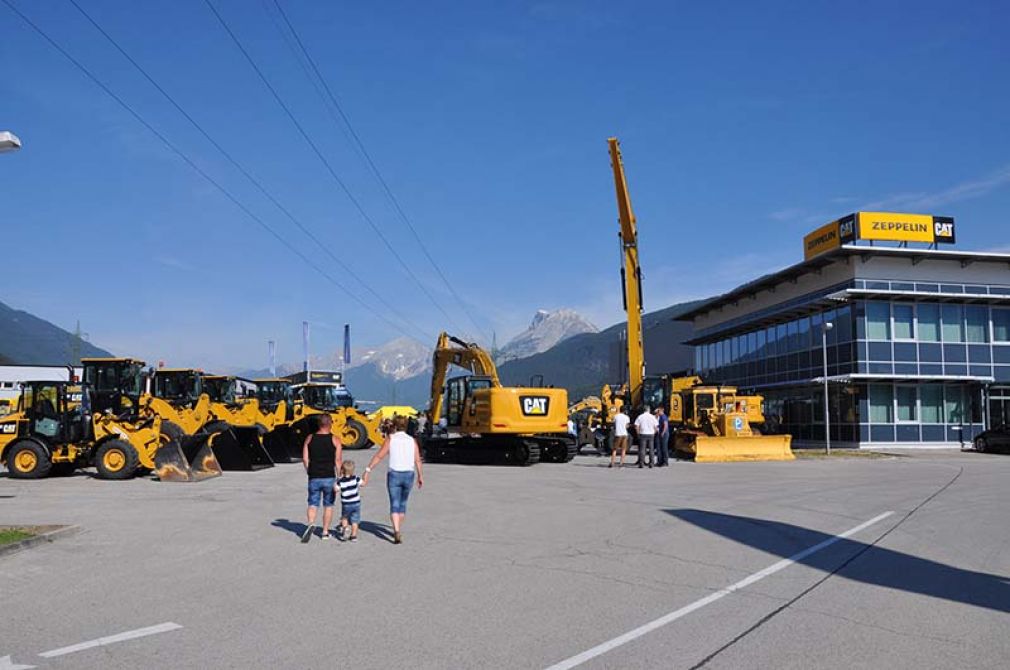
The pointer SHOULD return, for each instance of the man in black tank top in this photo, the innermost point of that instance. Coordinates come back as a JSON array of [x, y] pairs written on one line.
[[321, 455]]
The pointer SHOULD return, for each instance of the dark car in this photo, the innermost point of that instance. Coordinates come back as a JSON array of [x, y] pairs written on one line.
[[994, 439]]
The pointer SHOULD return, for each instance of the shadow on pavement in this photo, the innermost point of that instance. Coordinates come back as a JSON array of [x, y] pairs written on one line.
[[295, 527], [379, 530], [877, 566]]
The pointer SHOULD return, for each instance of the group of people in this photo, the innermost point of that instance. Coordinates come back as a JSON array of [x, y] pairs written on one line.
[[322, 456], [653, 431]]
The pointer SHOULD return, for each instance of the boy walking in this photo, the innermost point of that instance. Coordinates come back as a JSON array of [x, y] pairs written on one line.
[[350, 501]]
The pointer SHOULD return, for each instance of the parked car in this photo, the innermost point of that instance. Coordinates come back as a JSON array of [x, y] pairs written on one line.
[[994, 439]]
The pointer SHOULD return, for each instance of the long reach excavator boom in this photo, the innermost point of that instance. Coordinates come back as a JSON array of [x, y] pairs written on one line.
[[631, 277]]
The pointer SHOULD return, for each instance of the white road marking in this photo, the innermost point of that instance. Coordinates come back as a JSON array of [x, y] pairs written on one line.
[[609, 645], [112, 639], [7, 664]]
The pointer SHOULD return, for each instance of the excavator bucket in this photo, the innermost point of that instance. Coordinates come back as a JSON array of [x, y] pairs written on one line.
[[720, 449], [240, 448], [187, 459]]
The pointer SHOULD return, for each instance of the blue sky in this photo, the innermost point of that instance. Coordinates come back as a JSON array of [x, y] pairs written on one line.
[[743, 126]]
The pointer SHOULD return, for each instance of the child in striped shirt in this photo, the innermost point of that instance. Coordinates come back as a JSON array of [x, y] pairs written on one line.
[[350, 501]]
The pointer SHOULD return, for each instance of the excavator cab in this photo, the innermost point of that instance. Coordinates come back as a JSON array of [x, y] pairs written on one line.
[[458, 398]]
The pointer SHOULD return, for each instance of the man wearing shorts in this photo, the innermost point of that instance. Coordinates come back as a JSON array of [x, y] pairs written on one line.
[[321, 456], [621, 422]]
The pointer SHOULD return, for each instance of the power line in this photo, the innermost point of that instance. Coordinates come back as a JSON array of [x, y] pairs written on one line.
[[390, 196], [178, 152], [256, 183], [319, 154]]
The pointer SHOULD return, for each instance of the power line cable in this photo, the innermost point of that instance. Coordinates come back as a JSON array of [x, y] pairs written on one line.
[[390, 196], [178, 152], [329, 168], [255, 182]]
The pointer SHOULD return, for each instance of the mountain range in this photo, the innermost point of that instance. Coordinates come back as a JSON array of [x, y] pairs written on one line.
[[25, 339]]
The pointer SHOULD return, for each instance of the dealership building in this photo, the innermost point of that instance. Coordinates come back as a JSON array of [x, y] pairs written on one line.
[[918, 348]]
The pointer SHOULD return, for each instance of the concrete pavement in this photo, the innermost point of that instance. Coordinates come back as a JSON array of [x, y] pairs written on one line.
[[526, 568]]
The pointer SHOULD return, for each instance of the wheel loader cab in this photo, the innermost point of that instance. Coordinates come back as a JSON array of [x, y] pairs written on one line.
[[179, 387], [49, 413], [325, 397], [116, 383], [221, 389], [270, 392]]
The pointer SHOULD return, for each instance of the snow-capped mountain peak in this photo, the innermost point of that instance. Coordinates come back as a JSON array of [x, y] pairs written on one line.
[[546, 330]]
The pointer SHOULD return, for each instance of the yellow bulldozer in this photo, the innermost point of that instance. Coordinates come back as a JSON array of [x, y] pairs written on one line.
[[485, 422], [54, 429], [713, 423], [710, 423]]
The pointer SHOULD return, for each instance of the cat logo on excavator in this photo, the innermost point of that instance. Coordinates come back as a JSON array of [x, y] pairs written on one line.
[[535, 405]]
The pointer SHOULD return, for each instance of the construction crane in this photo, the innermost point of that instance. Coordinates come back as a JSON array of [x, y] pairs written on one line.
[[481, 421]]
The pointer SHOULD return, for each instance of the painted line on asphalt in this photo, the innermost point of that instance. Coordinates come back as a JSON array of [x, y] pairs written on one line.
[[112, 639], [636, 633]]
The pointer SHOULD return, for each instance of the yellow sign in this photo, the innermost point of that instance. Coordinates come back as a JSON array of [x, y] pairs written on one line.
[[821, 240], [890, 226], [896, 227]]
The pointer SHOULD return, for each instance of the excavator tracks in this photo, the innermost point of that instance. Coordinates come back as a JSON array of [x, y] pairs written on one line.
[[484, 450], [557, 449]]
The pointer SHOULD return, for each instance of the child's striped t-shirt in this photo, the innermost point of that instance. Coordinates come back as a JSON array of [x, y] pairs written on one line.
[[349, 490]]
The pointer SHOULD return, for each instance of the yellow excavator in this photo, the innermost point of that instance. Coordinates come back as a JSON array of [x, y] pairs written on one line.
[[710, 423], [485, 422], [54, 429]]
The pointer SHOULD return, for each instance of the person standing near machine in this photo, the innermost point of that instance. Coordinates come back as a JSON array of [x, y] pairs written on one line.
[[646, 425], [621, 421], [662, 439]]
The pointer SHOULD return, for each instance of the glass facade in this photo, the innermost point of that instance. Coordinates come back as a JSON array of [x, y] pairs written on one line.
[[906, 369]]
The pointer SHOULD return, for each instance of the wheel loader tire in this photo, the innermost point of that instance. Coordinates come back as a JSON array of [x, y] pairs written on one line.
[[116, 459], [354, 435], [27, 459]]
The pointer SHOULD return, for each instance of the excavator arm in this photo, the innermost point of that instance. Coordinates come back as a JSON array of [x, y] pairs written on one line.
[[454, 351], [631, 276]]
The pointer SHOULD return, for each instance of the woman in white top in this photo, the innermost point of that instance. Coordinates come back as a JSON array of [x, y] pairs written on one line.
[[404, 460]]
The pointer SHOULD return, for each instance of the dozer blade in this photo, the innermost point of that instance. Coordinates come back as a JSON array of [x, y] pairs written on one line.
[[188, 460], [239, 448], [707, 449]]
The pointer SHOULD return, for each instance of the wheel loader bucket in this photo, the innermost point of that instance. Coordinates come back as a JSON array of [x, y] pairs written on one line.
[[188, 459], [240, 448], [278, 443], [708, 449]]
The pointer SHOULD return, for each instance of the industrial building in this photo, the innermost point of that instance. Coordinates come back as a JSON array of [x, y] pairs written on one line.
[[918, 350], [10, 375]]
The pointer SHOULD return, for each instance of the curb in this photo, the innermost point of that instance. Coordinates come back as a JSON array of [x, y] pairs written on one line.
[[28, 542]]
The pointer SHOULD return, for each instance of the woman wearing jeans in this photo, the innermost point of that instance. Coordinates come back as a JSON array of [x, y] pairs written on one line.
[[404, 460]]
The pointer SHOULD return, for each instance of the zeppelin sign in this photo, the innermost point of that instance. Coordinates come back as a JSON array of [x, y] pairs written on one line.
[[884, 226]]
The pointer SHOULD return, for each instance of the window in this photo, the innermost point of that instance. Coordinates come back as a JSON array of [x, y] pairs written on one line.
[[762, 343], [843, 324], [1000, 324], [931, 403], [904, 322], [977, 322], [954, 404], [881, 404], [793, 337], [804, 341], [929, 322], [906, 401], [953, 328], [878, 321]]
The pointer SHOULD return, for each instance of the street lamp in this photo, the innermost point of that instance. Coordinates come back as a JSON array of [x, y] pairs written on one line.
[[9, 141], [825, 327]]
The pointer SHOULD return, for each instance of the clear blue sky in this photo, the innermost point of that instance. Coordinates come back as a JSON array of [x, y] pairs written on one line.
[[744, 126]]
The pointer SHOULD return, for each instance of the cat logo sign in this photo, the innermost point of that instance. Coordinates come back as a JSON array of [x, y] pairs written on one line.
[[534, 405], [883, 226]]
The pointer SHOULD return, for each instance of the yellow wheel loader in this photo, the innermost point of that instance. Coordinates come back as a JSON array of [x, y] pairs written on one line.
[[55, 430], [322, 392], [236, 447], [485, 422], [243, 417], [118, 387]]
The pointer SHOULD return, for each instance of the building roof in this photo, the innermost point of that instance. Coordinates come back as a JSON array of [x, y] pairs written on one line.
[[794, 272]]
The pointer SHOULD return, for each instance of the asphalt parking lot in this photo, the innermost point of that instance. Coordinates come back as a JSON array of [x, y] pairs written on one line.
[[850, 563]]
